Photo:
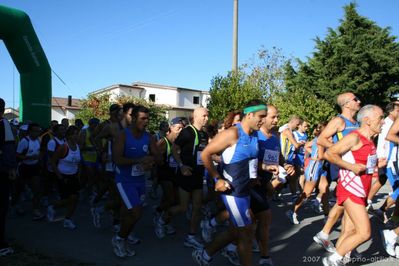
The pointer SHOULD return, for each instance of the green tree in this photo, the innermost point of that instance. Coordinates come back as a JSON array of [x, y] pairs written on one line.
[[98, 106], [358, 56], [304, 104], [230, 93]]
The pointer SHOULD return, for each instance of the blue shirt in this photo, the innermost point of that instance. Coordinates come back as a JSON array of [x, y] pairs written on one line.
[[270, 147], [134, 148], [238, 161]]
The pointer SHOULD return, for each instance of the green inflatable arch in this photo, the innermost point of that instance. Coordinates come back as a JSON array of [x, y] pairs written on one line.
[[19, 37]]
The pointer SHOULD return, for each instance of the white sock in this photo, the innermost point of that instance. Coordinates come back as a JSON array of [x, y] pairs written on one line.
[[392, 235], [336, 257], [205, 255], [369, 202], [231, 247], [323, 235], [318, 199], [213, 222]]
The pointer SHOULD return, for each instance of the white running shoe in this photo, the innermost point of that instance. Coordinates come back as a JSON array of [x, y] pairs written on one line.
[[327, 261], [50, 213], [207, 230], [397, 252], [325, 243], [199, 258], [232, 256], [388, 244], [159, 228], [133, 240], [119, 246], [169, 229], [6, 251], [192, 242], [68, 223], [292, 217], [266, 262]]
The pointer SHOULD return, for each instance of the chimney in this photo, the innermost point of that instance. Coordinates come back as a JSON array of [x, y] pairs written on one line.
[[69, 100]]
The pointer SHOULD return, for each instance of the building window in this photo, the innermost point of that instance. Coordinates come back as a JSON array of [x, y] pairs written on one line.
[[152, 97], [195, 99]]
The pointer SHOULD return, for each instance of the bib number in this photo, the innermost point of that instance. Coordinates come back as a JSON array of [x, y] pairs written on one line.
[[199, 160], [371, 163], [271, 157], [137, 170], [172, 162], [253, 168]]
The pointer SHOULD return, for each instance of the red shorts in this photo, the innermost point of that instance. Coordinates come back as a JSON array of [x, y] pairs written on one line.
[[343, 195]]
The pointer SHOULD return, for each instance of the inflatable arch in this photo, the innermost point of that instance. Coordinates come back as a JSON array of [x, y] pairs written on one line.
[[20, 39]]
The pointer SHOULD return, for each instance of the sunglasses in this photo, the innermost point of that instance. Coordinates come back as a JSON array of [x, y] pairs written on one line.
[[356, 99]]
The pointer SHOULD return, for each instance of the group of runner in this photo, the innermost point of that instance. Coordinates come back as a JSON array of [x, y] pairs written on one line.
[[219, 175]]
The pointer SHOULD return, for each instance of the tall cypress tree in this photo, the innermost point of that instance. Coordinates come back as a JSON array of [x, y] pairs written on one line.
[[358, 56]]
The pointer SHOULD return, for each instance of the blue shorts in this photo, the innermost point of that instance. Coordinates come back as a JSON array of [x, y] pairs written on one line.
[[314, 170], [239, 209], [334, 169], [394, 181], [132, 194]]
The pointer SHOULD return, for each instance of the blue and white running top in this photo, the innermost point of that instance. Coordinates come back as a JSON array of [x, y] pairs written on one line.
[[240, 162], [300, 153], [349, 127], [269, 152], [133, 148], [314, 169]]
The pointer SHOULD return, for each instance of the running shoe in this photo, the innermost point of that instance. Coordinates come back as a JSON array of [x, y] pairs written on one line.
[[37, 215], [50, 213], [96, 216], [397, 252], [387, 243], [129, 249], [198, 257], [231, 256], [192, 242], [159, 228], [292, 217], [169, 229], [6, 251], [266, 262], [68, 223], [316, 206], [207, 230], [119, 246], [133, 240], [327, 261], [325, 243]]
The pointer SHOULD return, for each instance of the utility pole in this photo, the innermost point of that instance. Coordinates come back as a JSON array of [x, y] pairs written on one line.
[[235, 35]]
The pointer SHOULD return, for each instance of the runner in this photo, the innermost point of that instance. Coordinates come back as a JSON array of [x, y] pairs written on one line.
[[8, 166], [66, 164], [239, 148], [28, 151], [315, 175], [167, 177], [356, 157], [134, 153], [187, 150], [336, 129], [301, 136]]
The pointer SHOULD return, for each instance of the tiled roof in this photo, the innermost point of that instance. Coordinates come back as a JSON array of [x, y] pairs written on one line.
[[63, 103]]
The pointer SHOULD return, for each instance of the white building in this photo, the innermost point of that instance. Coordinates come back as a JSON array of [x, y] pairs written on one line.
[[182, 101], [60, 108], [64, 108]]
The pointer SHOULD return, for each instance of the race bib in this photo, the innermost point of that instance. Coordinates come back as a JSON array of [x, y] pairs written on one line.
[[172, 162], [199, 160], [271, 157], [253, 168], [137, 170], [371, 163]]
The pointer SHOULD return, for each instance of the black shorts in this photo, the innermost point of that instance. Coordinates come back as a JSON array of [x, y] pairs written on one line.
[[168, 174], [68, 186], [28, 170], [190, 183], [259, 202]]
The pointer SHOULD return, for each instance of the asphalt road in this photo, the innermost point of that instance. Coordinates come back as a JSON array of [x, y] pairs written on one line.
[[290, 244]]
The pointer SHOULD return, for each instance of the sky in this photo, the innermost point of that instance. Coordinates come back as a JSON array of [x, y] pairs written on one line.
[[94, 44]]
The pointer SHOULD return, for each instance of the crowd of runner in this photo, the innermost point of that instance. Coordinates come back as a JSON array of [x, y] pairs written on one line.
[[222, 176]]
